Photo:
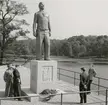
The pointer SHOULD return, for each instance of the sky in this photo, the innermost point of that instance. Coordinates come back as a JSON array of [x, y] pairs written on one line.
[[72, 17]]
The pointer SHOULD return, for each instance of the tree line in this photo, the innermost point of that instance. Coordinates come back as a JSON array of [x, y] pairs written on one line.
[[81, 46], [75, 46], [11, 28]]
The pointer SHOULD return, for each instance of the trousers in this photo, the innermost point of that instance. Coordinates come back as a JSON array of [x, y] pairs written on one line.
[[42, 39], [83, 96], [89, 86]]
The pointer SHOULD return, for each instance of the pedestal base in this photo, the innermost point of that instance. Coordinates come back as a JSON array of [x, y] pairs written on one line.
[[43, 75]]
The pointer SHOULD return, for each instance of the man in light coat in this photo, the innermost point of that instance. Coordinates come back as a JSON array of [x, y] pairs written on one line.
[[8, 78], [91, 74]]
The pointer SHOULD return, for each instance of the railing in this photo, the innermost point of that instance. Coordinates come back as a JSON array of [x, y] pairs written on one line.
[[61, 102], [68, 93], [74, 77]]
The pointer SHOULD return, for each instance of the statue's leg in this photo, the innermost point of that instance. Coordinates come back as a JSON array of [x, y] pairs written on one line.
[[47, 47], [39, 40]]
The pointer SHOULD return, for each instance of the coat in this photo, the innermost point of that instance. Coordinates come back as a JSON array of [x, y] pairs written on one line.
[[8, 78], [83, 81], [17, 83], [91, 74]]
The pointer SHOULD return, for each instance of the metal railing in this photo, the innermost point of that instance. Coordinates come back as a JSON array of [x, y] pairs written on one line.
[[61, 102], [74, 77]]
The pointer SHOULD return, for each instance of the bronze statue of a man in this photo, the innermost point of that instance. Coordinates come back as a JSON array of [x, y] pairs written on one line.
[[42, 32]]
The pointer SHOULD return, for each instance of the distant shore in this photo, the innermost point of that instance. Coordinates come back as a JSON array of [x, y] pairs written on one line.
[[87, 60]]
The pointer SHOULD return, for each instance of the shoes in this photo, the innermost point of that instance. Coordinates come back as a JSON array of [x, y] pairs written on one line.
[[88, 93], [48, 59], [15, 98], [81, 102], [20, 100]]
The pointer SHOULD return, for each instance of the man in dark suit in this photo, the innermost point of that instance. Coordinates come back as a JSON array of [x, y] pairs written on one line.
[[83, 86], [17, 83]]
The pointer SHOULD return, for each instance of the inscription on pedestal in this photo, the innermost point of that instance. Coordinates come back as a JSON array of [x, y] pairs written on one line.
[[47, 73]]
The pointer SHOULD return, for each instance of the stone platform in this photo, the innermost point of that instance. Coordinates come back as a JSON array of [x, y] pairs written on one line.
[[43, 75], [68, 99]]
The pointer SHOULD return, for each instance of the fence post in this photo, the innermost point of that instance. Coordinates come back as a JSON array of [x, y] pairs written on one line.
[[106, 96], [61, 98], [0, 102], [98, 85], [74, 78], [59, 73]]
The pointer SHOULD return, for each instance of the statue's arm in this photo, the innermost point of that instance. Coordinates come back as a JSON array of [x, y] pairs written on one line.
[[49, 26], [35, 24]]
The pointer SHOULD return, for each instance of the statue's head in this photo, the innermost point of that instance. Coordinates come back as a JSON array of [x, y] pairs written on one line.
[[41, 6]]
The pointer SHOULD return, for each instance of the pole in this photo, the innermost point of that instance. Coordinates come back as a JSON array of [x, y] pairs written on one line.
[[106, 96], [61, 98], [74, 78], [59, 73], [98, 85]]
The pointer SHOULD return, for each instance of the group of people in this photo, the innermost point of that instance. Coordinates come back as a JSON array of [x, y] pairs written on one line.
[[13, 82], [85, 82]]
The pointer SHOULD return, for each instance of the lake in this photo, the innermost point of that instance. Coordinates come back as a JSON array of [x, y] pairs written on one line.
[[75, 65], [70, 64], [101, 70]]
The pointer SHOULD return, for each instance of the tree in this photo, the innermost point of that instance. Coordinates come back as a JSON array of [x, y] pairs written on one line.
[[55, 47], [9, 10], [82, 51], [66, 49], [76, 48]]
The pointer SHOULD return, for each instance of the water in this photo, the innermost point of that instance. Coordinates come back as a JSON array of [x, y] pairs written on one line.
[[101, 70]]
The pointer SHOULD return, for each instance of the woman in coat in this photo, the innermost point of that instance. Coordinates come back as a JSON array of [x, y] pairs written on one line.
[[17, 83]]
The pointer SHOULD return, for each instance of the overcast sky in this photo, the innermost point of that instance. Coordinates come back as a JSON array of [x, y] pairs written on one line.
[[72, 17]]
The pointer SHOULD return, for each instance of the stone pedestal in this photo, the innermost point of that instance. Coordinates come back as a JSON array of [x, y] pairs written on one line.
[[43, 75]]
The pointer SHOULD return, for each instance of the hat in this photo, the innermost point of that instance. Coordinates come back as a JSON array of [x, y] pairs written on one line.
[[82, 68]]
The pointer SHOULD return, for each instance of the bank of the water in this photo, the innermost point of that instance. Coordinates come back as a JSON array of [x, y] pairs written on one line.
[[70, 64], [101, 70]]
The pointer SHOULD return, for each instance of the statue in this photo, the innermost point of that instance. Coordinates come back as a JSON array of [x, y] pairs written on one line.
[[42, 32]]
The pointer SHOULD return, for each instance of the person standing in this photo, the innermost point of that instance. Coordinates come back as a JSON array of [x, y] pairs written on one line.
[[42, 31], [17, 83], [8, 78], [83, 86], [91, 74]]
